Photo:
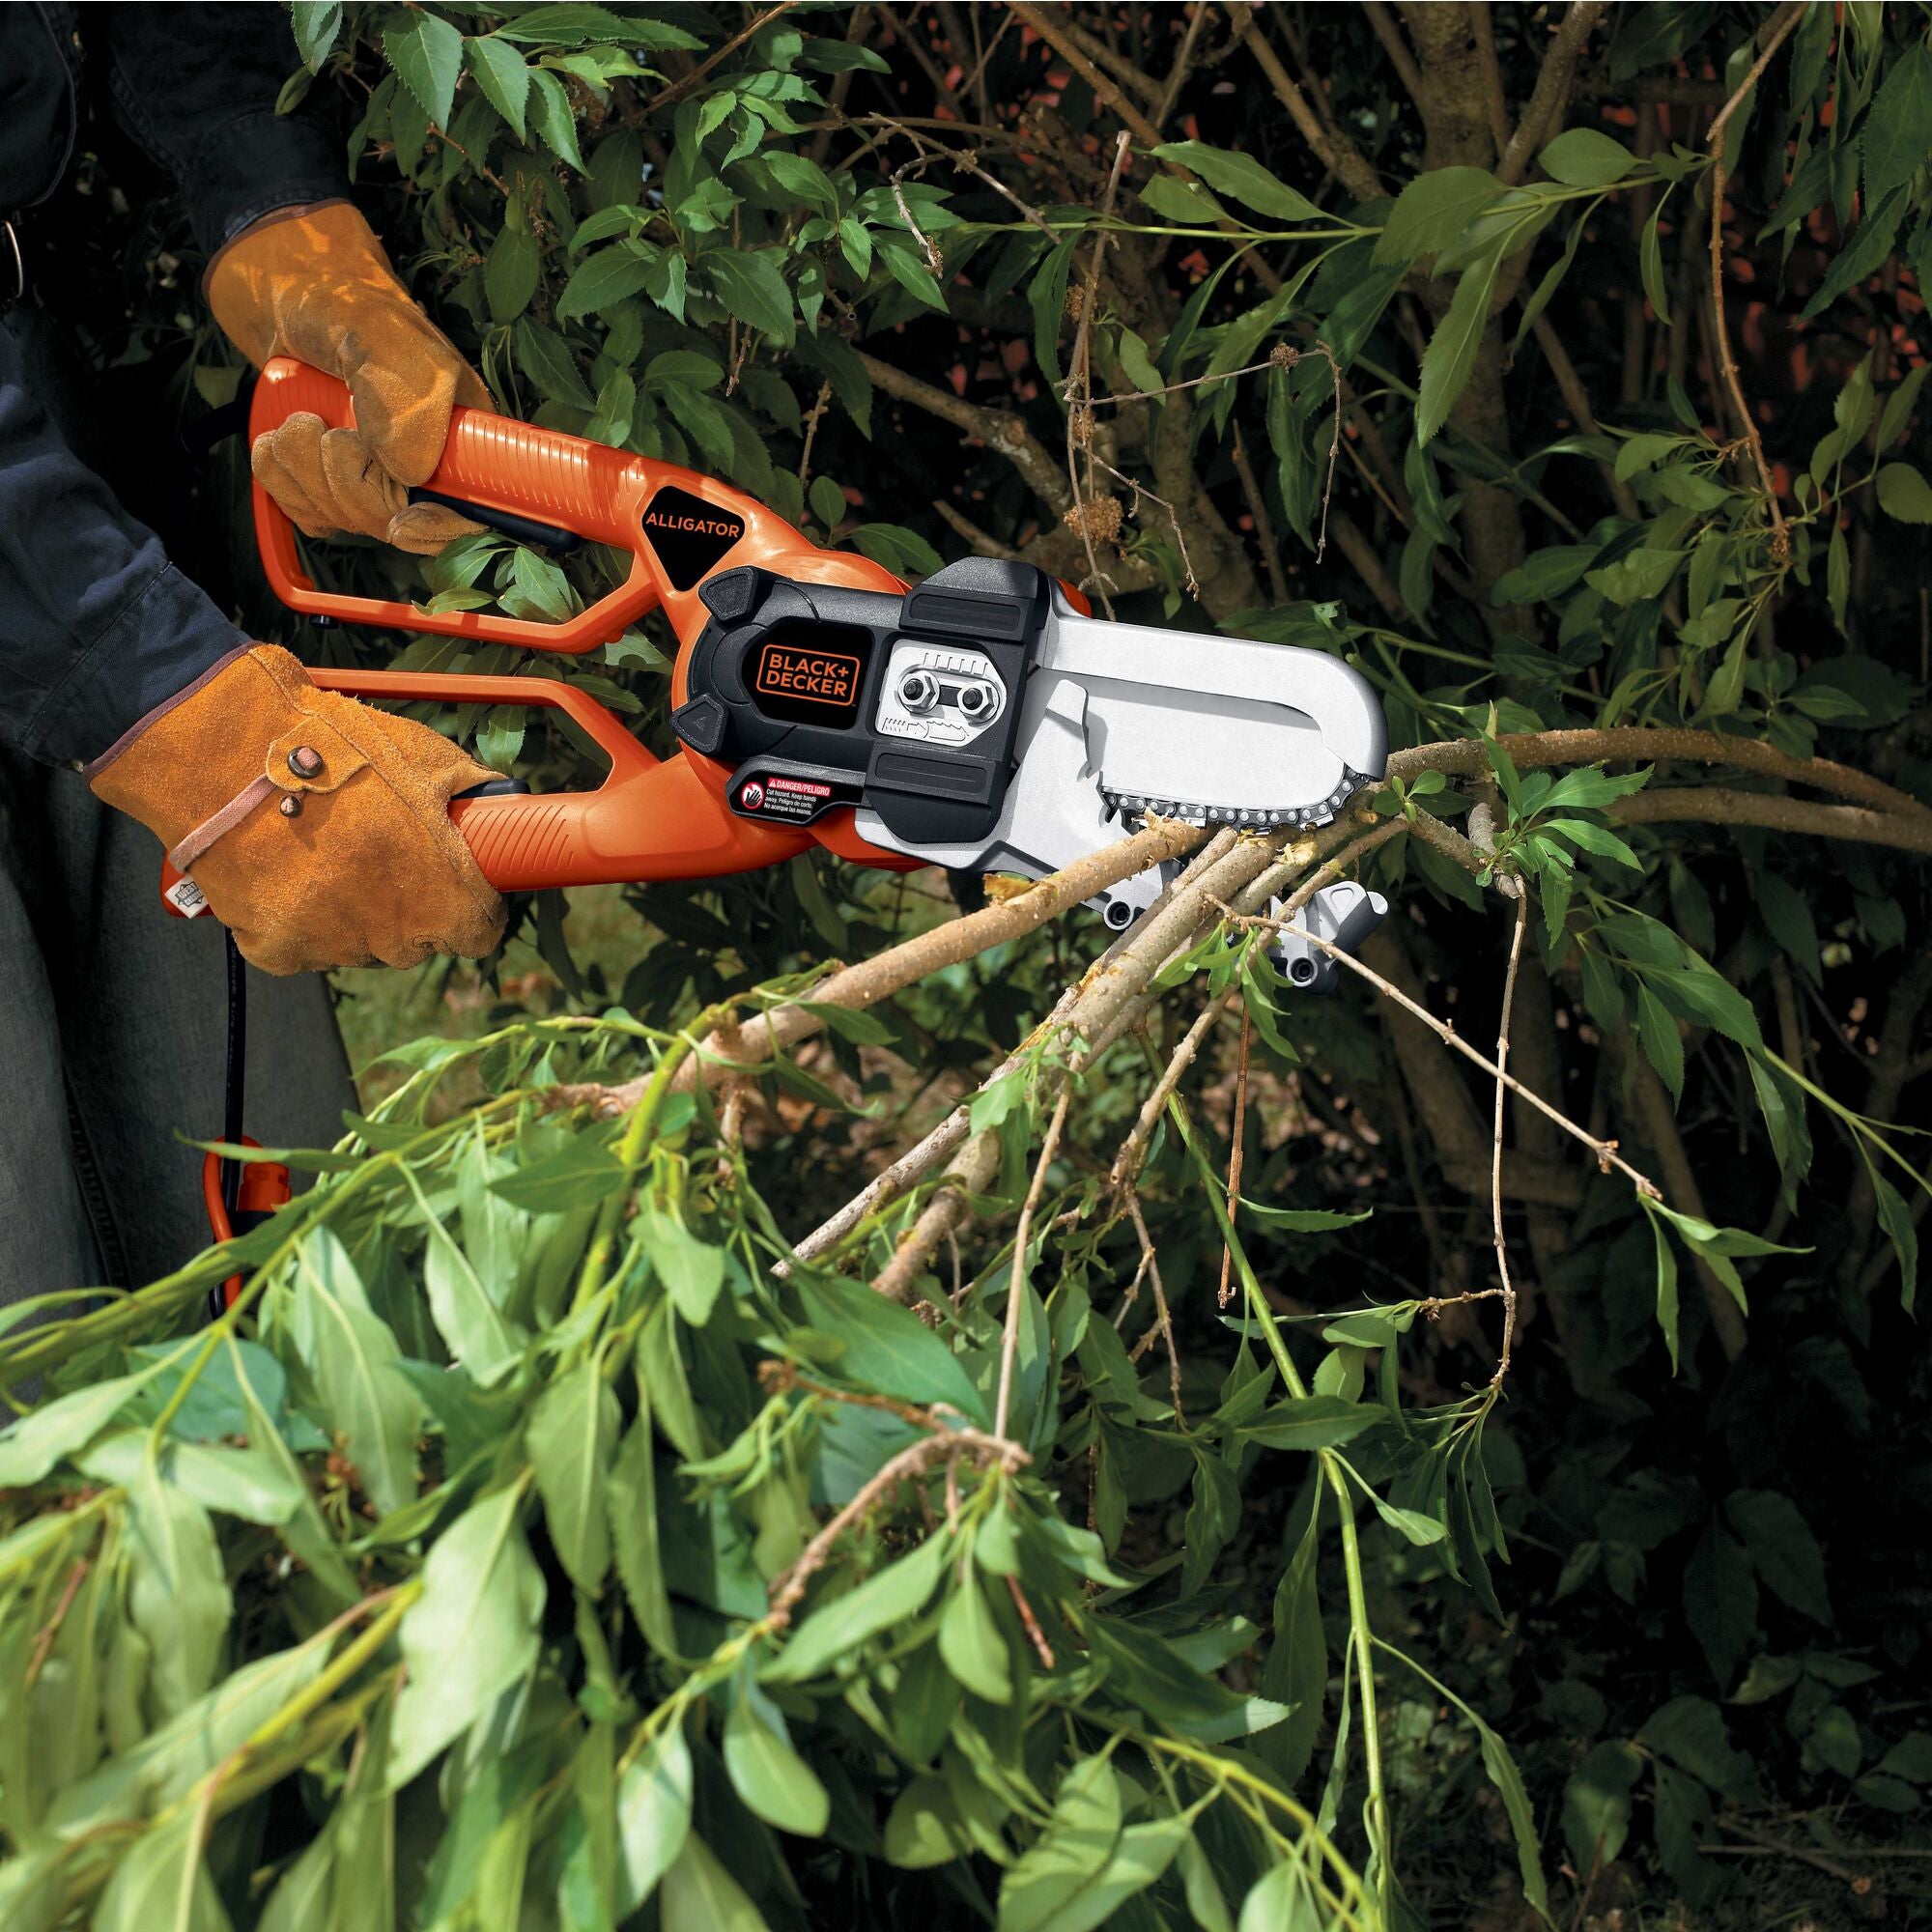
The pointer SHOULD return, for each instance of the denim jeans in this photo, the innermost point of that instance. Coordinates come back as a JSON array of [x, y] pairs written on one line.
[[113, 1018]]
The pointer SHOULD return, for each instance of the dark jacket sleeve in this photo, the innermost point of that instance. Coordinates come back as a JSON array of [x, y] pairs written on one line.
[[96, 627], [196, 85]]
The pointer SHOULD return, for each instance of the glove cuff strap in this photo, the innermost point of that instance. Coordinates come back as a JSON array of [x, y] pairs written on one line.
[[183, 855]]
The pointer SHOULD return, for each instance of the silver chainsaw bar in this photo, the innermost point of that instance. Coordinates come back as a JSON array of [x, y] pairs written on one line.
[[1121, 721]]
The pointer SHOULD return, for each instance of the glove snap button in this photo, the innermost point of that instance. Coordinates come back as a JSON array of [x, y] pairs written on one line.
[[306, 762], [291, 805]]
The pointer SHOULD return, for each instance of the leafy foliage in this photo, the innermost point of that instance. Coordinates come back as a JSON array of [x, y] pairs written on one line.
[[542, 1534]]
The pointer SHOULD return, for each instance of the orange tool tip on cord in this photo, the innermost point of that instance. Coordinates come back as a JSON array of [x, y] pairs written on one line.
[[265, 1188]]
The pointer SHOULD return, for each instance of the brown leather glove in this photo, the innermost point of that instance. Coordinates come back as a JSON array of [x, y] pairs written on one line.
[[318, 828], [313, 282]]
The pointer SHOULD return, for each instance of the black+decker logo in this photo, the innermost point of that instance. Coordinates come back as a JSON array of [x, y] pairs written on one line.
[[689, 535], [818, 677]]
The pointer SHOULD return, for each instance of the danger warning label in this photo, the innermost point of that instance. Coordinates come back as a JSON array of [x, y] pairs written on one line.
[[778, 797]]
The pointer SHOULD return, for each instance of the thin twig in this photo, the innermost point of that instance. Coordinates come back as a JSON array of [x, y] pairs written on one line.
[[1035, 1634], [1603, 1150], [1781, 537], [1163, 1316], [1079, 385], [955, 1445], [1010, 1340], [1235, 1153], [1497, 1155], [679, 88]]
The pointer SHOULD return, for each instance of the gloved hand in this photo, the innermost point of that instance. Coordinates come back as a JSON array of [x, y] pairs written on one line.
[[318, 828], [313, 282]]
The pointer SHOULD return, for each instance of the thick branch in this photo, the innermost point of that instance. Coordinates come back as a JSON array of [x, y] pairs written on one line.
[[1717, 805], [999, 430], [1047, 22], [1333, 151], [1466, 757], [1551, 94]]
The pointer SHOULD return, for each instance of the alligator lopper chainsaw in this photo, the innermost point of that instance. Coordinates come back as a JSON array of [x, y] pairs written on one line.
[[983, 721]]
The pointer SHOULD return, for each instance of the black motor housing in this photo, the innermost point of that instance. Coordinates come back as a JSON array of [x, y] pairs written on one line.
[[785, 680]]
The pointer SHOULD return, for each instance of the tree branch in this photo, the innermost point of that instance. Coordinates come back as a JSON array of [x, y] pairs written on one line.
[[1551, 94], [999, 430], [1333, 151], [1466, 757]]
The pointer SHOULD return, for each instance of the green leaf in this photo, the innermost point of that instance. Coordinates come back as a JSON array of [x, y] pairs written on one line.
[[1662, 1043], [834, 1633], [479, 1336], [1650, 262], [1689, 1731], [503, 77], [470, 1635], [1899, 405], [1597, 1806], [1895, 1217], [162, 1883], [603, 280], [887, 1350], [1863, 255], [553, 119], [692, 1271], [630, 1497], [775, 1783], [1076, 1842], [1240, 177], [316, 23], [751, 287], [1720, 1599], [178, 1596], [356, 1365], [1904, 492], [1140, 1856], [653, 1816], [1310, 1422], [907, 267], [427, 54], [1508, 1783], [700, 1895], [545, 358], [1782, 1549], [1433, 211], [1202, 1888], [31, 1446], [1411, 1524], [1451, 353], [1585, 157], [1280, 1901], [1185, 202], [1667, 1285], [571, 1435], [1898, 129], [583, 1174], [970, 1642], [1046, 297], [1636, 574], [572, 22]]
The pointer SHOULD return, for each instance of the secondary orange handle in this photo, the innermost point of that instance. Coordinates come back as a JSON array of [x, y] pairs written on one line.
[[650, 819], [607, 496]]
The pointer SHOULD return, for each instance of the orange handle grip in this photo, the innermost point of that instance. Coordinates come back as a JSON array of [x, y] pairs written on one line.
[[607, 496], [650, 819]]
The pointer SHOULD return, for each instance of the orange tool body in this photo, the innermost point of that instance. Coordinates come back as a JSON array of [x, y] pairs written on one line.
[[651, 818]]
